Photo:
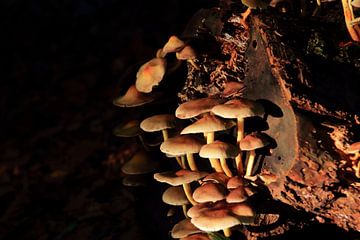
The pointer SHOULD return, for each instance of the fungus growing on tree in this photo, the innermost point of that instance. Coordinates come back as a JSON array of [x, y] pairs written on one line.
[[150, 75], [183, 229], [160, 122], [133, 98]]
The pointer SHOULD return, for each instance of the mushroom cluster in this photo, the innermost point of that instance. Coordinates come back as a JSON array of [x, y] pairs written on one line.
[[216, 173]]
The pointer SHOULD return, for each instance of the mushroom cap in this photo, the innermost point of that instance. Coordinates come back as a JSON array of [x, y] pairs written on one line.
[[180, 177], [128, 129], [237, 195], [134, 181], [210, 192], [254, 141], [218, 149], [208, 123], [181, 145], [197, 210], [175, 196], [232, 88], [254, 4], [238, 108], [184, 228], [174, 44], [356, 3], [133, 98], [268, 178], [353, 148], [198, 236], [235, 182], [158, 122], [196, 107], [217, 177], [140, 163], [150, 74], [229, 215], [186, 53]]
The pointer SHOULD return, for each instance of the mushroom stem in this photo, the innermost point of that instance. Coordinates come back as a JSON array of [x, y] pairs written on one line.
[[354, 34], [184, 208], [225, 167], [188, 193], [183, 161], [215, 163], [244, 17], [179, 161], [227, 232], [250, 164], [165, 134], [191, 162], [239, 137], [193, 64], [357, 170]]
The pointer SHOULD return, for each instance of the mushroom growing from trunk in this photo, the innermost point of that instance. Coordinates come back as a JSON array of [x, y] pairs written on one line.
[[183, 229], [220, 150], [239, 109], [176, 196], [250, 143], [208, 125], [196, 107], [183, 145], [252, 4], [188, 54], [160, 122], [174, 44], [150, 74]]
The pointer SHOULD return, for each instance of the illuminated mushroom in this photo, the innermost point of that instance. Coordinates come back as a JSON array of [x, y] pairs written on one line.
[[150, 74], [197, 107], [217, 177], [174, 44], [250, 143], [252, 4], [220, 150], [160, 122], [198, 236], [210, 192], [176, 196], [183, 145]]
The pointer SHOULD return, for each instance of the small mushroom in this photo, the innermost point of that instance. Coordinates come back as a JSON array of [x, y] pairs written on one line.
[[250, 143], [252, 4], [237, 195], [217, 178], [198, 236], [134, 98], [210, 192], [188, 54], [355, 3], [150, 74], [176, 196], [183, 145], [221, 151], [183, 229], [160, 122], [174, 44]]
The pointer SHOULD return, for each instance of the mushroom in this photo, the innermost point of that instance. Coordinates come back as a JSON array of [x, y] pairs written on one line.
[[175, 196], [134, 98], [196, 107], [221, 151], [355, 149], [140, 163], [239, 109], [208, 125], [183, 145], [182, 177], [210, 192], [183, 229], [216, 177], [198, 236], [354, 31], [237, 195], [188, 54], [250, 143], [160, 122], [150, 74], [355, 3], [174, 44]]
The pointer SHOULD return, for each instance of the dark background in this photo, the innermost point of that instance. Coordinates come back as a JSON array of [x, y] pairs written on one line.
[[61, 66]]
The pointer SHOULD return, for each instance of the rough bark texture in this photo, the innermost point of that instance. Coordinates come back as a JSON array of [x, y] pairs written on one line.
[[312, 99]]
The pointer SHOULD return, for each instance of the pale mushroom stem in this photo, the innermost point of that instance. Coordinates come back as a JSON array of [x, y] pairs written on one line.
[[188, 193], [239, 137], [193, 64], [227, 232], [354, 34], [250, 164], [215, 163], [225, 167], [184, 208], [191, 162], [244, 17], [165, 134], [178, 160], [183, 162]]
